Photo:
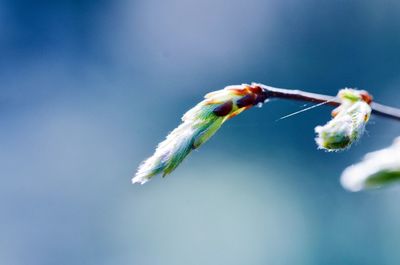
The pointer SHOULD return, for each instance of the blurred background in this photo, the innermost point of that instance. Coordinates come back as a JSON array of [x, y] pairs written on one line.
[[88, 89]]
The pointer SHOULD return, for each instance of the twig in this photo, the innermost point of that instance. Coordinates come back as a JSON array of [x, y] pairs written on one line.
[[204, 120], [281, 93]]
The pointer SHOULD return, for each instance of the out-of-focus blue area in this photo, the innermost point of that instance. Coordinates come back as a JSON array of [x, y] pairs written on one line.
[[88, 88]]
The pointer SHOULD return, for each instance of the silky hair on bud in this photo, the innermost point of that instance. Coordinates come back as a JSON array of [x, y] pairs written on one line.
[[377, 169], [198, 125], [348, 123]]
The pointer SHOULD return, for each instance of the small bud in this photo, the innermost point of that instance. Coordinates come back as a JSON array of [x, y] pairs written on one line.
[[377, 169], [198, 125], [348, 123]]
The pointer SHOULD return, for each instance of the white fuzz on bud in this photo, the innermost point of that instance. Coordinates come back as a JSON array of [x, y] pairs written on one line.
[[377, 169], [348, 123], [198, 125]]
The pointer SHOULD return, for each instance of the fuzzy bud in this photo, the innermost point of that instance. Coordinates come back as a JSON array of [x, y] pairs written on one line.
[[377, 169], [198, 125], [348, 123]]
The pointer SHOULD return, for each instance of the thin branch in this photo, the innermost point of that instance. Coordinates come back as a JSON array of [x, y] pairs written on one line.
[[281, 93], [385, 111]]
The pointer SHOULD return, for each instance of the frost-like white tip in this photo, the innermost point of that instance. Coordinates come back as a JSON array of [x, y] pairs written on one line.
[[169, 153], [353, 179], [377, 169], [141, 179]]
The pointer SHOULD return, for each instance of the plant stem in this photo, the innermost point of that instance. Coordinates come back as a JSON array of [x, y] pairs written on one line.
[[281, 93]]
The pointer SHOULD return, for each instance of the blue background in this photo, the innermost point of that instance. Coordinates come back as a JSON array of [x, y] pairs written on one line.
[[88, 88]]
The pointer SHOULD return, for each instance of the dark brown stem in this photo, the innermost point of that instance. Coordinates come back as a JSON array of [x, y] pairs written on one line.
[[377, 109]]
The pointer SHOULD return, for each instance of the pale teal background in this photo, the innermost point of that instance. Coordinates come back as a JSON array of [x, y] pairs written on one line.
[[88, 88]]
